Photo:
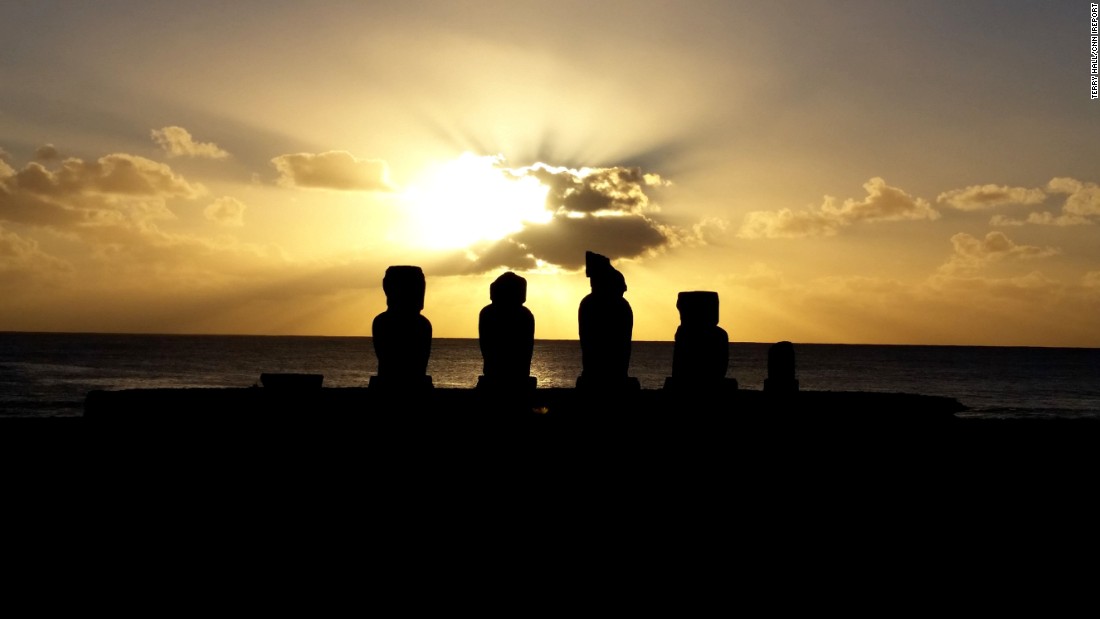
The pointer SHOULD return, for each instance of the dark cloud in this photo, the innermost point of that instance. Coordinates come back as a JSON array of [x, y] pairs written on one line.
[[47, 153], [591, 190], [332, 170], [503, 253], [606, 210], [564, 239]]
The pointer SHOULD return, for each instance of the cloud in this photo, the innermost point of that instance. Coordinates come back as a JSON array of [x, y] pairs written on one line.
[[334, 169], [1031, 290], [226, 211], [47, 153], [104, 191], [1082, 206], [117, 174], [787, 224], [979, 197], [970, 253], [563, 241], [177, 142], [1083, 199], [1044, 218], [593, 190], [883, 203], [709, 231], [21, 261], [758, 276], [607, 210]]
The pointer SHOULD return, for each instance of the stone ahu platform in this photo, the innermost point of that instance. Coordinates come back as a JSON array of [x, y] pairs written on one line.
[[565, 407], [329, 430], [563, 424], [303, 401], [554, 411]]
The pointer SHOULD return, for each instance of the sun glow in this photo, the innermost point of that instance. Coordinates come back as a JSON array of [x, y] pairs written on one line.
[[473, 198]]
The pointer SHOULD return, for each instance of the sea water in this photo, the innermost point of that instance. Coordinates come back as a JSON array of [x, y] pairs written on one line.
[[49, 374]]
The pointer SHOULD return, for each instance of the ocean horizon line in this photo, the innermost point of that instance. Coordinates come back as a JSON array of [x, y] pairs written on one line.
[[537, 339]]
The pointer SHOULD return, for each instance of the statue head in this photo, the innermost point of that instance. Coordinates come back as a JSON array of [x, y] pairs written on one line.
[[605, 279], [698, 308], [404, 288], [508, 289]]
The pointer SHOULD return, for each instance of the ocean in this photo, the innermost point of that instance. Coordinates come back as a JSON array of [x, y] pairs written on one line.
[[49, 374]]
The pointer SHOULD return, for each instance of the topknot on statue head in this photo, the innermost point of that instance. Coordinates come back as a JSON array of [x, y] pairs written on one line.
[[508, 289], [404, 288], [596, 265], [603, 276], [698, 307]]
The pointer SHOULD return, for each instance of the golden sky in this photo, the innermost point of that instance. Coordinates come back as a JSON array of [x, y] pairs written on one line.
[[911, 172]]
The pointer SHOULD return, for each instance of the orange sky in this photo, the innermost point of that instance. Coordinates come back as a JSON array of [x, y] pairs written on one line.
[[857, 172]]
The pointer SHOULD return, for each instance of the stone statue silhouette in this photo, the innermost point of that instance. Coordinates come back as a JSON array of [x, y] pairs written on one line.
[[781, 369], [506, 333], [402, 336], [606, 325], [700, 357]]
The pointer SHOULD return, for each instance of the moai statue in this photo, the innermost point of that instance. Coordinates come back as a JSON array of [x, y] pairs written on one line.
[[781, 375], [700, 357], [402, 336], [606, 325], [506, 333]]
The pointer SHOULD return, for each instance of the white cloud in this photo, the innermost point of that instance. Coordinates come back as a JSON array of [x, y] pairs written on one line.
[[883, 203], [1083, 199], [1043, 218], [226, 211], [971, 253], [1082, 206], [22, 261], [109, 190], [1031, 290], [979, 197], [336, 169], [118, 174], [177, 142]]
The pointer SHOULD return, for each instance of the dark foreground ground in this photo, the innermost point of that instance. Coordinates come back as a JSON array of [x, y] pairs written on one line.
[[539, 408], [640, 419], [548, 411], [742, 456]]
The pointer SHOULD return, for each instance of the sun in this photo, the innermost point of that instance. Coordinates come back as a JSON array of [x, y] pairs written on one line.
[[472, 198]]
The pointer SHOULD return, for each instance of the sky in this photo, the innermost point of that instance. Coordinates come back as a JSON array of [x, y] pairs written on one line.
[[883, 172]]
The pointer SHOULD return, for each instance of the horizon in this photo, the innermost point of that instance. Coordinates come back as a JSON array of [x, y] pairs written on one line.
[[895, 173], [537, 339]]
